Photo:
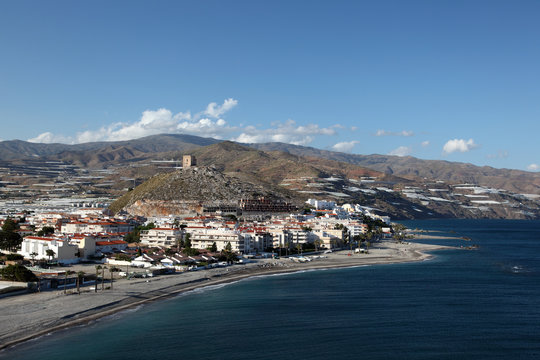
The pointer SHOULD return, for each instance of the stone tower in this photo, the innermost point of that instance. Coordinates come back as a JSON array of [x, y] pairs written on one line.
[[188, 161]]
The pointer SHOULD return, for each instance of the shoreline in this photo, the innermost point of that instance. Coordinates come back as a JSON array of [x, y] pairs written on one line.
[[34, 315]]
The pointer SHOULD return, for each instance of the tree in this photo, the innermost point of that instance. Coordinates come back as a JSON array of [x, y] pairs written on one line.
[[112, 270], [33, 257], [299, 248], [228, 247], [66, 274], [317, 243], [46, 230], [9, 225], [135, 235], [213, 248], [187, 241], [17, 273], [80, 278], [10, 240], [287, 248], [98, 267], [338, 227], [50, 253], [190, 251]]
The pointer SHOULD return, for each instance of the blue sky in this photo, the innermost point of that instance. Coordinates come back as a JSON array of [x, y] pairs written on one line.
[[451, 80]]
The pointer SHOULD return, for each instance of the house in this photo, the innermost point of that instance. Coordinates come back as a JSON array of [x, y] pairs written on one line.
[[35, 247], [94, 227], [329, 238], [166, 237], [203, 238], [111, 246]]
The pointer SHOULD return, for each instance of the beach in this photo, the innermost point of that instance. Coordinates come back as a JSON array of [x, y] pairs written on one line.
[[33, 315]]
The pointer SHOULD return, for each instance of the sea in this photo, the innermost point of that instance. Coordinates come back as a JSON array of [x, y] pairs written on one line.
[[461, 304]]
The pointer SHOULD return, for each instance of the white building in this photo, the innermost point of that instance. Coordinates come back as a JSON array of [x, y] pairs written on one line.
[[166, 237], [203, 238], [96, 227], [321, 204], [64, 252]]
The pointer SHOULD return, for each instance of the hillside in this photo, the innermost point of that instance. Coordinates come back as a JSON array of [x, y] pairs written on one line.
[[187, 191], [401, 187], [453, 172], [104, 154]]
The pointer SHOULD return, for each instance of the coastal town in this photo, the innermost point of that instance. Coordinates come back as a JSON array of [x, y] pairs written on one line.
[[47, 256], [51, 242], [115, 258]]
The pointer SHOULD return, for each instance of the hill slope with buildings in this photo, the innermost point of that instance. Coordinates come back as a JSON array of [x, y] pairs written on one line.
[[293, 172]]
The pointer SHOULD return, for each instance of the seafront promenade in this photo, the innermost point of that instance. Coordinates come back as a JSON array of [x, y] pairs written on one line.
[[33, 315]]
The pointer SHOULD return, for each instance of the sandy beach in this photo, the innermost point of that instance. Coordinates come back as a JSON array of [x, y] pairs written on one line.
[[29, 316]]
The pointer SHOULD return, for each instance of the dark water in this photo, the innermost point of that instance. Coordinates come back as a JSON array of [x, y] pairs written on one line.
[[482, 304]]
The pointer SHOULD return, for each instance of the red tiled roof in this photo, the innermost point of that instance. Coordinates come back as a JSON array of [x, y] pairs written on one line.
[[112, 242]]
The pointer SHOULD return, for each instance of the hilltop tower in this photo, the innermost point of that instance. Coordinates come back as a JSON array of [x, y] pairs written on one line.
[[188, 161]]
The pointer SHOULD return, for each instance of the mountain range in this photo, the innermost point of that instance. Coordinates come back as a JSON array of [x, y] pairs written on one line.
[[404, 187]]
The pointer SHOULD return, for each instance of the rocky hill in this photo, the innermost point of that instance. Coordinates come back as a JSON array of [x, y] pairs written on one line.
[[188, 191]]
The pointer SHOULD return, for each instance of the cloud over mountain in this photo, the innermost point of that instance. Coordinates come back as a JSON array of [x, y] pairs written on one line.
[[459, 145], [207, 123], [345, 146], [401, 151]]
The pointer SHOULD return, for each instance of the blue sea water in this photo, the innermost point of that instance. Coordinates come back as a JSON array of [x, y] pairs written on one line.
[[481, 304]]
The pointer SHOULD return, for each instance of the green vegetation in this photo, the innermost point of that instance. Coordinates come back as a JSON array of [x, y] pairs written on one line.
[[10, 239], [17, 273], [188, 250], [14, 257], [135, 235], [50, 253], [122, 257], [46, 230]]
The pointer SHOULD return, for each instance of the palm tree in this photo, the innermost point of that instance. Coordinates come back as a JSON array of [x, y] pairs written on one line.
[[80, 276], [33, 257], [112, 270], [317, 243], [50, 253], [103, 277], [66, 273], [299, 248], [98, 267]]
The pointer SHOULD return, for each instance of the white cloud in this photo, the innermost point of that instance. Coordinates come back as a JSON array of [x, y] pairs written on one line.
[[214, 110], [459, 145], [49, 138], [287, 132], [401, 151], [533, 167], [345, 146], [394, 133], [207, 123], [425, 143]]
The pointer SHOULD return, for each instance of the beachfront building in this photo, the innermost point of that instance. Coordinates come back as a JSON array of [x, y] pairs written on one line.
[[356, 228], [203, 238], [165, 237], [328, 238], [35, 247], [256, 239]]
